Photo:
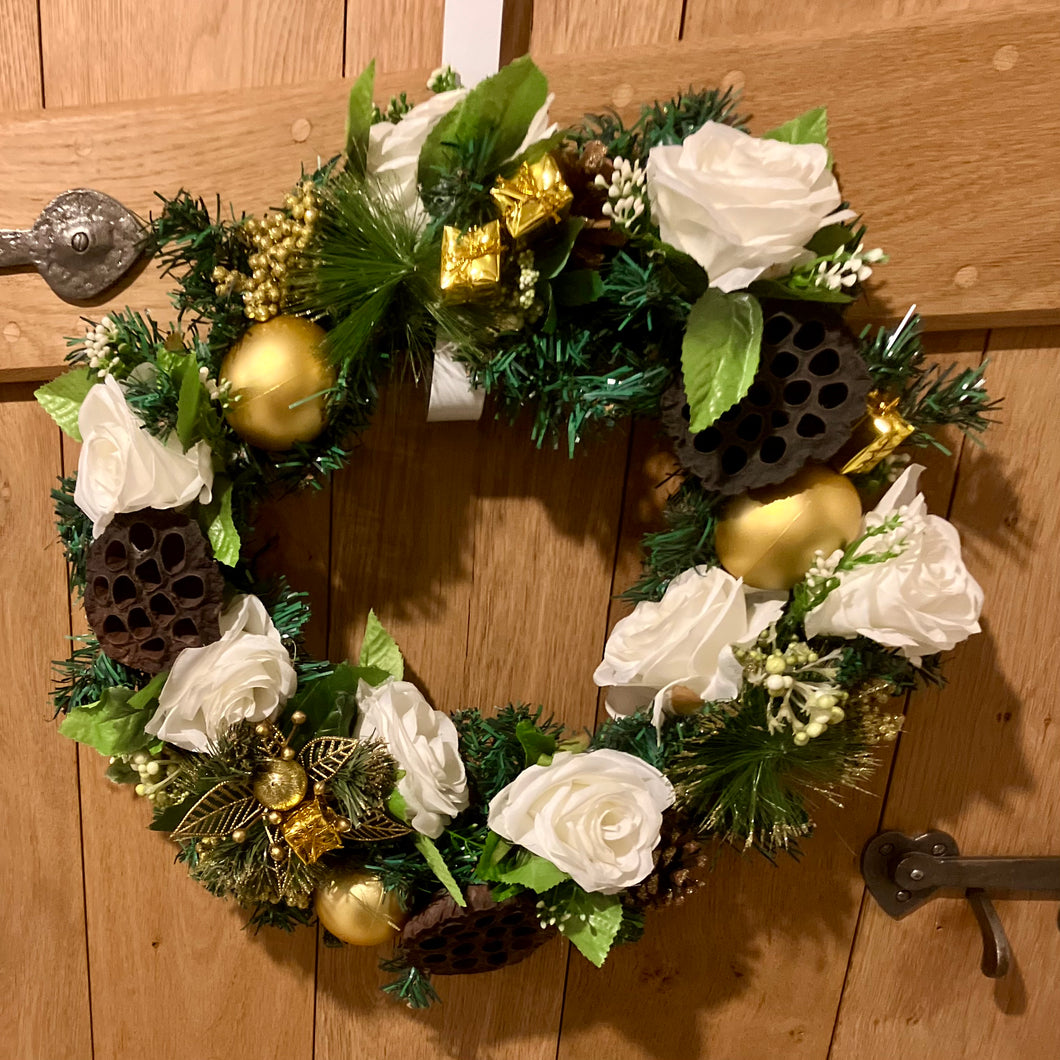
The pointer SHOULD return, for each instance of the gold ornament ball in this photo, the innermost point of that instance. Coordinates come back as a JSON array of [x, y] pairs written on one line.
[[769, 536], [281, 784], [354, 907], [276, 365]]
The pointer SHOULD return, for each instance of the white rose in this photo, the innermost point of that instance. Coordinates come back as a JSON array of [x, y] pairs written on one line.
[[245, 676], [595, 815], [739, 205], [921, 601], [394, 151], [124, 468], [684, 641], [424, 744]]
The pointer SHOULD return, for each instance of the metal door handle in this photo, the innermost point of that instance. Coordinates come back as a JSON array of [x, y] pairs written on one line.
[[903, 872]]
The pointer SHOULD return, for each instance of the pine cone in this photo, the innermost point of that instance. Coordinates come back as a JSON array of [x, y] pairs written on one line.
[[678, 858], [580, 169], [153, 589]]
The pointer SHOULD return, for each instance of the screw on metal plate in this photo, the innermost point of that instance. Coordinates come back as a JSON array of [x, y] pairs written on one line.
[[82, 243], [903, 872]]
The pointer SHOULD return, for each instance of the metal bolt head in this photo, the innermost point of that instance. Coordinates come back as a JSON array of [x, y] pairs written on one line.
[[79, 241], [902, 896], [916, 874], [938, 850], [887, 848]]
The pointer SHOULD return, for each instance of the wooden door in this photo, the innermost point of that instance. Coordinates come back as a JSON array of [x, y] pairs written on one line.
[[468, 543]]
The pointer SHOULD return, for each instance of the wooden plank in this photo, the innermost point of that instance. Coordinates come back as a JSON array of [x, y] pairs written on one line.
[[20, 84], [125, 49], [44, 973], [469, 544], [598, 26], [399, 35], [941, 140], [980, 760], [757, 939], [730, 18]]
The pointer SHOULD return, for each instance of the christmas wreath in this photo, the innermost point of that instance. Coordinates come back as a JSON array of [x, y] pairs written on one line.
[[676, 268]]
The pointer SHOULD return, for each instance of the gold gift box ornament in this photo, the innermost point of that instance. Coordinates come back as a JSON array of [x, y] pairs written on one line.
[[876, 435], [534, 197], [471, 261], [312, 830]]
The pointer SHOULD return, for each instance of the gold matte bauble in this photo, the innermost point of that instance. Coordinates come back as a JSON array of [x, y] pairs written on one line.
[[769, 536], [277, 374], [281, 784], [354, 907]]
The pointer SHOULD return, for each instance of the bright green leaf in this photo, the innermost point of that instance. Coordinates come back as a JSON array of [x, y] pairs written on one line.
[[397, 807], [808, 128], [188, 401], [780, 289], [221, 530], [535, 872], [535, 743], [578, 287], [494, 851], [359, 121], [433, 857], [62, 397], [380, 649], [496, 113], [719, 355], [593, 924], [115, 725]]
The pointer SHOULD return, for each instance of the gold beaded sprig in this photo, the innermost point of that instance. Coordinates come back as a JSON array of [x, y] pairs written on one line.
[[277, 237]]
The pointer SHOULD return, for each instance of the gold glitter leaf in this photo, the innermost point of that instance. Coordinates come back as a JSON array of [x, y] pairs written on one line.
[[377, 827], [324, 756], [219, 812]]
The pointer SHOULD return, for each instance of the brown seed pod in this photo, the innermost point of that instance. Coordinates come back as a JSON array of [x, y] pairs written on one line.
[[444, 939], [807, 395], [153, 589]]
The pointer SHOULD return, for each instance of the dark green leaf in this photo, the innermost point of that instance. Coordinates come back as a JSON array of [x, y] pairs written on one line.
[[188, 402], [535, 743], [781, 289], [330, 703], [551, 256], [720, 352], [578, 287]]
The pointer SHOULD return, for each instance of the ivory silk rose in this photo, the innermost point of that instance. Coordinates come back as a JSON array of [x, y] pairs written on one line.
[[424, 744], [920, 601], [596, 816], [740, 205], [245, 676], [123, 468], [682, 644]]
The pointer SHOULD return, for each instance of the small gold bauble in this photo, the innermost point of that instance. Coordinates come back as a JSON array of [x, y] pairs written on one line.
[[769, 536], [276, 376], [354, 907], [239, 835], [276, 852], [281, 784]]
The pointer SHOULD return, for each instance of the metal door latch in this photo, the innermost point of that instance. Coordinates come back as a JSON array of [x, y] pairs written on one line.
[[82, 243], [903, 872]]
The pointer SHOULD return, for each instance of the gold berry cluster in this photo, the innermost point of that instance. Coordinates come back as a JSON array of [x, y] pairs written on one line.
[[277, 238]]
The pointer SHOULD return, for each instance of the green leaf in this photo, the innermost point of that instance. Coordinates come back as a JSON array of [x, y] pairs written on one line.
[[578, 287], [359, 121], [494, 851], [535, 743], [826, 241], [535, 872], [593, 924], [62, 397], [115, 725], [329, 703], [220, 529], [496, 113], [397, 807], [808, 128], [431, 854], [189, 400], [808, 293], [120, 772], [379, 649], [550, 257], [719, 355]]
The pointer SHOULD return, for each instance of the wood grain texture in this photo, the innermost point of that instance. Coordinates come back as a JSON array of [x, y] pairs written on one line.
[[43, 973], [979, 760], [588, 26], [20, 84], [731, 18], [399, 35], [471, 546], [110, 50], [755, 963]]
